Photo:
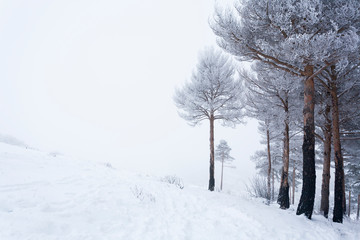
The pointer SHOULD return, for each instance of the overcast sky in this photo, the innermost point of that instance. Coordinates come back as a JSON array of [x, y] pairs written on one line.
[[95, 80]]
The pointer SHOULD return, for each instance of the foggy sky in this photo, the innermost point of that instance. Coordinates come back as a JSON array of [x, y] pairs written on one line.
[[95, 80]]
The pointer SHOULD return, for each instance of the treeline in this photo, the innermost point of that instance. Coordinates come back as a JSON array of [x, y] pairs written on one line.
[[303, 88], [315, 43]]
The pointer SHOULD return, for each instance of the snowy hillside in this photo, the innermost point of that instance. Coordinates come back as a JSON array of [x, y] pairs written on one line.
[[43, 196]]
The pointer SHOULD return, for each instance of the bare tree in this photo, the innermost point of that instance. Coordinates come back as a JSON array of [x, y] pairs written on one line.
[[212, 94]]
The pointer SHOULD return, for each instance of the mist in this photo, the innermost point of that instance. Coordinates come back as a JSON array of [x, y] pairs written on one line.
[[95, 80]]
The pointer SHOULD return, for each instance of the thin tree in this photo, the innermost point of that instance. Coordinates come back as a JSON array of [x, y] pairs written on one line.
[[276, 90], [254, 101], [223, 155], [343, 91], [349, 106], [268, 150], [323, 133], [212, 94]]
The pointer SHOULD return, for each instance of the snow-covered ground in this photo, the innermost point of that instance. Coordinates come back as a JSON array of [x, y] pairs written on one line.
[[49, 196]]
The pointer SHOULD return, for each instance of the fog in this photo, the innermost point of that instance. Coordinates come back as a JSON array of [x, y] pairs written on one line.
[[95, 80]]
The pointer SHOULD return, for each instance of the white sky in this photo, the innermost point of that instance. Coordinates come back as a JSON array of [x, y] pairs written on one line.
[[95, 79]]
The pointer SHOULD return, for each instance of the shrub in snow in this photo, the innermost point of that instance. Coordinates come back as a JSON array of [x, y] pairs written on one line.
[[54, 154], [258, 187], [173, 180], [109, 165], [140, 194]]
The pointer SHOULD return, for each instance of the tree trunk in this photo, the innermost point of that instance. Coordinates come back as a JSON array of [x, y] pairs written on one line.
[[325, 187], [339, 163], [283, 198], [269, 161], [273, 183], [290, 192], [349, 203], [212, 155], [222, 173], [344, 194], [293, 183], [306, 204], [358, 208]]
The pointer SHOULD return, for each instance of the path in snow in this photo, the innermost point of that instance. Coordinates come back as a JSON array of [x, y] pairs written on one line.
[[46, 197]]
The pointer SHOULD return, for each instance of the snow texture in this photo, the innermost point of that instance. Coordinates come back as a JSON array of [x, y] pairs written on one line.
[[46, 197]]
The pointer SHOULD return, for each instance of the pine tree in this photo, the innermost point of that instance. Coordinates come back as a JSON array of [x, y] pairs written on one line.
[[222, 154], [212, 94], [324, 123], [342, 86], [272, 92]]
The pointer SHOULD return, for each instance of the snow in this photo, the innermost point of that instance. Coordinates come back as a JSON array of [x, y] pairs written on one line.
[[47, 196]]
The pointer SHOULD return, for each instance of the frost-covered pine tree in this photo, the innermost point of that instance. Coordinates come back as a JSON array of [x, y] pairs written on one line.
[[349, 111], [257, 107], [222, 154], [301, 37], [341, 86], [323, 132], [212, 94], [352, 166], [272, 92], [268, 161]]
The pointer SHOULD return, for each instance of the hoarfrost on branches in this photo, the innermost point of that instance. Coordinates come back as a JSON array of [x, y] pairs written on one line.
[[212, 91], [214, 94]]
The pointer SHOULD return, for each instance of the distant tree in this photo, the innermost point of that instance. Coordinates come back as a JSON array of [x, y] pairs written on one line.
[[223, 155], [212, 94], [267, 160], [257, 107]]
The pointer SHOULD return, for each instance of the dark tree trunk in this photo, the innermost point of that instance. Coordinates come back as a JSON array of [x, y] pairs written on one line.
[[269, 161], [293, 183], [273, 183], [349, 203], [325, 187], [283, 198], [212, 155], [344, 194], [339, 163], [358, 208], [306, 204]]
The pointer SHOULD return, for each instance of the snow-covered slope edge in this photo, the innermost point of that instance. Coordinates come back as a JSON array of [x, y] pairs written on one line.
[[47, 197]]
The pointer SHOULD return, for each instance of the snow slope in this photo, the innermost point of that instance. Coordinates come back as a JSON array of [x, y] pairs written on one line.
[[43, 196]]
